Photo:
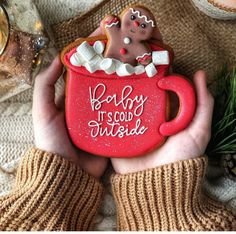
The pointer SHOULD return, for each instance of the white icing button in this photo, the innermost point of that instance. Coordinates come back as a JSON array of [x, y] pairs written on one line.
[[127, 40]]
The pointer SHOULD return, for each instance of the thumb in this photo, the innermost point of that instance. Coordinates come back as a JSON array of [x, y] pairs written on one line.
[[44, 90], [205, 104]]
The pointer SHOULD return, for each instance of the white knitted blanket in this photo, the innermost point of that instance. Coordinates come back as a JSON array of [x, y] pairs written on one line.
[[16, 135]]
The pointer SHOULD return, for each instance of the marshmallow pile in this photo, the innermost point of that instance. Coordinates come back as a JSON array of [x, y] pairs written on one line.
[[91, 57]]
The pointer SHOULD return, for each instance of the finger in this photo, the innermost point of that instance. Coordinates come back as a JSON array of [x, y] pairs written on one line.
[[97, 32], [61, 103], [49, 76], [65, 76], [44, 90], [92, 164], [60, 100], [205, 103], [60, 94], [103, 22]]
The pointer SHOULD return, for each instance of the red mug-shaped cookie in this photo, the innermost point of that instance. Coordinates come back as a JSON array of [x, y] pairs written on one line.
[[115, 116]]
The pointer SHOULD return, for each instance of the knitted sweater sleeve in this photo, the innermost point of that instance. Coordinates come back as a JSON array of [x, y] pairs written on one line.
[[168, 197], [51, 193]]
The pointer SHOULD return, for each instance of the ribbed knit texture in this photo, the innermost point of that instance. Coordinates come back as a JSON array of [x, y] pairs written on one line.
[[51, 193], [168, 198], [213, 10]]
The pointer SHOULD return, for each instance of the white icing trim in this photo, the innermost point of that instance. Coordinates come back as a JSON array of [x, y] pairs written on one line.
[[142, 16], [143, 55], [128, 103], [116, 129], [112, 24], [117, 123]]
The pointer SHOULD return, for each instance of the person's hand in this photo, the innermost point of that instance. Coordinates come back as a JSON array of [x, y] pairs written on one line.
[[187, 144], [50, 131]]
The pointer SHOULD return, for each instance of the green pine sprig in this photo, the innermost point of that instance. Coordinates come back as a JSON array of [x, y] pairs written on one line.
[[223, 139]]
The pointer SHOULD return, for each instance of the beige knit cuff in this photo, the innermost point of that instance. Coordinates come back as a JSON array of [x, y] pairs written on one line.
[[169, 197], [52, 193]]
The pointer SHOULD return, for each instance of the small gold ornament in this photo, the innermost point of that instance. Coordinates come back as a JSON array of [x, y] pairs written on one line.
[[4, 29]]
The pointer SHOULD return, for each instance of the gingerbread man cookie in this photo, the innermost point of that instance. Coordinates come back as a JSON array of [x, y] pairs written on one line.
[[128, 34]]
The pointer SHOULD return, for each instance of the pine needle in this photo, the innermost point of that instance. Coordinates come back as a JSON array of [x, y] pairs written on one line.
[[223, 139]]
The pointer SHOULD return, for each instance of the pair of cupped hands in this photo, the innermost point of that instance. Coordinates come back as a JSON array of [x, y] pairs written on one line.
[[51, 134]]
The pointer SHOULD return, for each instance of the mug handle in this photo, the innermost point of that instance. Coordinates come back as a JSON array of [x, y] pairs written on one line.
[[187, 103]]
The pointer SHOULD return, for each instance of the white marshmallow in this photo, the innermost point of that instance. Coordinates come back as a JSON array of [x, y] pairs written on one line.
[[140, 69], [76, 60], [86, 51], [125, 69], [97, 59], [117, 62], [90, 67], [94, 64], [108, 65], [99, 47], [160, 57], [151, 70]]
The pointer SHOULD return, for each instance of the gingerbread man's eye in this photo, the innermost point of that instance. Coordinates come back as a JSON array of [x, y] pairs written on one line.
[[143, 25], [132, 17]]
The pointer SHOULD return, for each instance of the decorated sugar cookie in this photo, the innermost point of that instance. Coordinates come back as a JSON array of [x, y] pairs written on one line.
[[117, 88], [128, 34]]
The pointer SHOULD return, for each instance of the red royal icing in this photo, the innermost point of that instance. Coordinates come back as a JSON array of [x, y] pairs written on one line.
[[136, 23], [123, 51], [114, 20], [146, 57]]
